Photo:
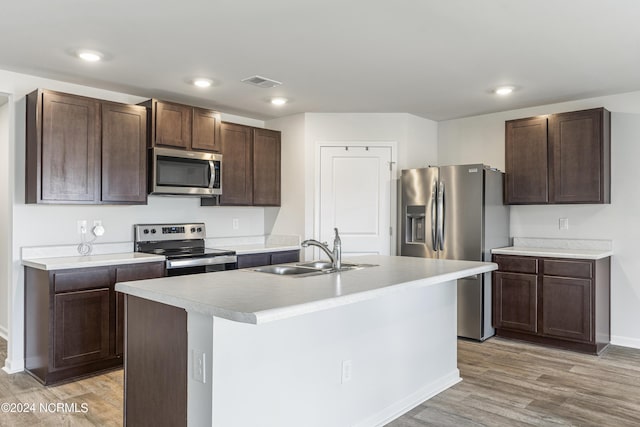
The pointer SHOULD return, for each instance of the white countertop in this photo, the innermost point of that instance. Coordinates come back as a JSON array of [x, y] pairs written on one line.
[[253, 297], [553, 252], [62, 263]]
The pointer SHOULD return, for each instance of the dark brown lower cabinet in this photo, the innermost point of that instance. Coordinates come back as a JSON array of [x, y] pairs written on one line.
[[74, 319], [267, 258], [564, 320], [517, 297], [83, 334], [558, 302], [155, 375]]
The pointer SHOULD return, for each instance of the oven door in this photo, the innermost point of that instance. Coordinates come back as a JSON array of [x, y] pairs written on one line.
[[185, 172]]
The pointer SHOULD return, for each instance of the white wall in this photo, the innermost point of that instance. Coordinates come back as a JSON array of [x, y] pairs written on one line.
[[416, 140], [37, 225], [288, 219], [5, 218], [481, 139]]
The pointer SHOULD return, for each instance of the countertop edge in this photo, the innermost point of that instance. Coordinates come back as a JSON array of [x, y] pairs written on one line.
[[266, 316], [554, 252], [281, 313], [67, 263]]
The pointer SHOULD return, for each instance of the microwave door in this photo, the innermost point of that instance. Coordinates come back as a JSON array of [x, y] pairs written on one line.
[[183, 176]]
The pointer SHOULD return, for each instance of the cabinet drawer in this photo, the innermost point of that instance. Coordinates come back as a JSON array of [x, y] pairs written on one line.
[[517, 264], [66, 281], [253, 260], [568, 268], [283, 257], [139, 272]]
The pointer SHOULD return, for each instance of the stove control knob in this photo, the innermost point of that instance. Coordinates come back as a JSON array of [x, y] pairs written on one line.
[[153, 231], [199, 229], [193, 230], [145, 231]]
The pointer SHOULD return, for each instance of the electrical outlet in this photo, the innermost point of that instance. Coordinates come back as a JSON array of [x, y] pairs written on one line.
[[563, 223], [347, 370], [236, 223], [82, 226], [199, 366]]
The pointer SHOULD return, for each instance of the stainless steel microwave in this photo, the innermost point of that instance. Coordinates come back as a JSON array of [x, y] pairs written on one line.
[[181, 172]]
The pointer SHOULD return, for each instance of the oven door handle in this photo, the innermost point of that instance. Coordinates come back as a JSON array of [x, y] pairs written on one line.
[[196, 262]]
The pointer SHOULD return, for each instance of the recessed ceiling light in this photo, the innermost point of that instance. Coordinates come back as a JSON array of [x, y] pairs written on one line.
[[202, 83], [90, 55], [504, 90], [279, 101]]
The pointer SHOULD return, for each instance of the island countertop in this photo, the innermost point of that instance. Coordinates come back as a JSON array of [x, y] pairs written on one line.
[[253, 297]]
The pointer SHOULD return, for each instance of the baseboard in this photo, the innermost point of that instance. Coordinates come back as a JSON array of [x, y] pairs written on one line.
[[625, 341], [403, 406], [13, 368]]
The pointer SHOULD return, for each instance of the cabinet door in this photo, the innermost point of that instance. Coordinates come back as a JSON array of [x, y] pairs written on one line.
[[566, 310], [124, 163], [81, 327], [578, 160], [172, 125], [526, 161], [515, 301], [127, 273], [206, 130], [266, 167], [237, 170], [70, 153]]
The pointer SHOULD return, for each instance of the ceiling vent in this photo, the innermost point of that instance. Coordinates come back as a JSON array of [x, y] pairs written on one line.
[[261, 82]]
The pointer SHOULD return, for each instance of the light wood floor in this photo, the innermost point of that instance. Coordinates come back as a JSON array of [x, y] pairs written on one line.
[[506, 383]]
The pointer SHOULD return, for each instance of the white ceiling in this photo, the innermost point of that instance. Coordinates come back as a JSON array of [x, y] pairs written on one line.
[[438, 59]]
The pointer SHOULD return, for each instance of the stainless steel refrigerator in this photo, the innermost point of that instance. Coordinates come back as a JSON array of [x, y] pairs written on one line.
[[457, 212]]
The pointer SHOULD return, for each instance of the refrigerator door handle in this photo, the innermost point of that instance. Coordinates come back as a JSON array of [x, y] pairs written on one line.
[[440, 238], [434, 203]]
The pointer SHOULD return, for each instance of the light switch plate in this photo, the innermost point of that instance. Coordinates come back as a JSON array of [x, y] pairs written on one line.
[[563, 223]]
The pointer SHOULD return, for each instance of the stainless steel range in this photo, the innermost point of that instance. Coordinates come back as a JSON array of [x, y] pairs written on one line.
[[184, 247]]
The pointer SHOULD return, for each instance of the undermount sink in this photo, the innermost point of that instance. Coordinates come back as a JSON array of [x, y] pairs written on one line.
[[325, 265], [286, 270], [311, 268]]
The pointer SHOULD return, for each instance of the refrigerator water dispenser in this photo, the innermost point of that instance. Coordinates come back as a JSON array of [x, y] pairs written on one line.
[[415, 231]]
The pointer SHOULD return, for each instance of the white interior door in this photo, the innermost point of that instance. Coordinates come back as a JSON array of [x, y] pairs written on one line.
[[355, 197]]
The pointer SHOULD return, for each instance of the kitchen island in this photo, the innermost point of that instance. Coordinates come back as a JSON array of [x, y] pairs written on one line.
[[240, 348]]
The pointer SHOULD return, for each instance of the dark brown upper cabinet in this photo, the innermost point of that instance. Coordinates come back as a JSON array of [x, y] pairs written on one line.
[[237, 165], [206, 130], [251, 166], [183, 126], [63, 148], [526, 161], [266, 167], [124, 164], [82, 150], [559, 159], [580, 159]]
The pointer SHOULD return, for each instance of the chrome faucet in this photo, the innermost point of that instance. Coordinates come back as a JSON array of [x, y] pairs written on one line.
[[335, 256]]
